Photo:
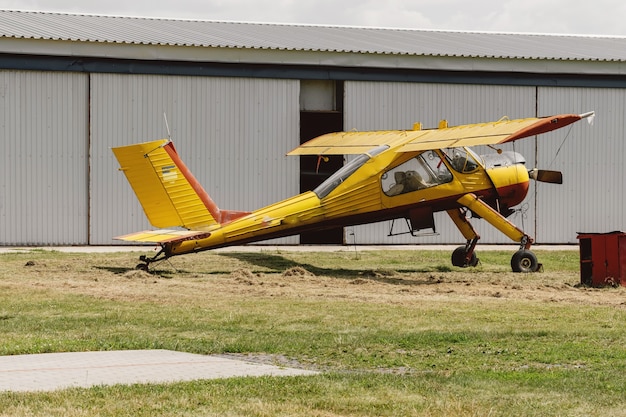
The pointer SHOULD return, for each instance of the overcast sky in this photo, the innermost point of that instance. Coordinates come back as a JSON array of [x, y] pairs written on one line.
[[596, 17]]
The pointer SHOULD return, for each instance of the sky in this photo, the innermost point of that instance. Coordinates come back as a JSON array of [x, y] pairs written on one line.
[[597, 17]]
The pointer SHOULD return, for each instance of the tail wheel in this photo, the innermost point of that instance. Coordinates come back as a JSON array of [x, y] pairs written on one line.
[[524, 261], [458, 258]]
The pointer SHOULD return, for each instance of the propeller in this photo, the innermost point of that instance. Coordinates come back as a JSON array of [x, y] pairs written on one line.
[[544, 175]]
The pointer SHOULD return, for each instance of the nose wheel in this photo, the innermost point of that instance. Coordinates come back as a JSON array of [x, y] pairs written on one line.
[[524, 261]]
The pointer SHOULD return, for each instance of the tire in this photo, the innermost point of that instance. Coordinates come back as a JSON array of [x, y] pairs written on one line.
[[458, 258], [524, 261]]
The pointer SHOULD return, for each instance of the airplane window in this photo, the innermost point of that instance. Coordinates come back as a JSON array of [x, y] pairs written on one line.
[[462, 160], [424, 171], [348, 169]]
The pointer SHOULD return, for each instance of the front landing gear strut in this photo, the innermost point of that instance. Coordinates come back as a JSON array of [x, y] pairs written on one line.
[[522, 261], [464, 256]]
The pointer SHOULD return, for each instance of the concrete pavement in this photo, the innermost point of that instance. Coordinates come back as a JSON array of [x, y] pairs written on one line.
[[53, 371]]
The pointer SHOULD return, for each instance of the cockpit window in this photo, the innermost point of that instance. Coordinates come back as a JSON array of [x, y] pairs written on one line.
[[424, 171], [462, 160], [348, 169]]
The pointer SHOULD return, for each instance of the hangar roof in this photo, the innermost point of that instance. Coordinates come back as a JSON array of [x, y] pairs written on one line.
[[22, 25]]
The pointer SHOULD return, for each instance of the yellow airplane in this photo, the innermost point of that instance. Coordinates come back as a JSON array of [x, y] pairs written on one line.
[[394, 175]]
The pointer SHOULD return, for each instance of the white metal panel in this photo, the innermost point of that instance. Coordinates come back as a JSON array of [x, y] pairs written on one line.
[[591, 198], [232, 133], [385, 105], [43, 129]]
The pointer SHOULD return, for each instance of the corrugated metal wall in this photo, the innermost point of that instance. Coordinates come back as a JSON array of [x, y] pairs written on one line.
[[60, 183], [591, 198], [44, 132], [233, 134], [388, 105]]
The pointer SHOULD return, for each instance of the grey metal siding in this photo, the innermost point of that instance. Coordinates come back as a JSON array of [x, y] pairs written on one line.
[[375, 106], [592, 198], [44, 135], [232, 133]]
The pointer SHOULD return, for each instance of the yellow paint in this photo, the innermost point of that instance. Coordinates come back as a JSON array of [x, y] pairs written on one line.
[[353, 143], [493, 217], [171, 197], [166, 196], [511, 175], [161, 235]]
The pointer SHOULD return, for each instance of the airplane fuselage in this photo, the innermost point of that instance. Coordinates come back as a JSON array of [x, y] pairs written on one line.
[[362, 197], [391, 174]]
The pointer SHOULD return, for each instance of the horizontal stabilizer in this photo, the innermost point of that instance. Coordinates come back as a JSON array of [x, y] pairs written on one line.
[[163, 236]]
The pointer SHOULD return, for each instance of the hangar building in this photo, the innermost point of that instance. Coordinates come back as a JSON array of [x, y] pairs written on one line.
[[238, 96]]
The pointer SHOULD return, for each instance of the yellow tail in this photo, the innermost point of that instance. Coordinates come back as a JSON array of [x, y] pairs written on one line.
[[168, 192]]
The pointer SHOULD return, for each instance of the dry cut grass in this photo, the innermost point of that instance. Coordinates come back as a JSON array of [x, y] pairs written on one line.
[[394, 332]]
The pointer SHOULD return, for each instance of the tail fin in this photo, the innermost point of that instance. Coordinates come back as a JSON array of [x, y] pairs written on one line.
[[168, 192]]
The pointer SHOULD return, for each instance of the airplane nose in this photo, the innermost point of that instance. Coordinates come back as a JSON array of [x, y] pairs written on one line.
[[504, 159], [508, 175]]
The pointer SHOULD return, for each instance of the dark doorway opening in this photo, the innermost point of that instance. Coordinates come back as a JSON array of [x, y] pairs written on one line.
[[314, 170]]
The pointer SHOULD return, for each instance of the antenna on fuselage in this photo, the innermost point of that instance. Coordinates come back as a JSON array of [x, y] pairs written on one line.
[[167, 127]]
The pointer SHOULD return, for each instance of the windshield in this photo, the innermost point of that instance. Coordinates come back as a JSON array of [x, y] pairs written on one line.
[[348, 169], [462, 159], [423, 171]]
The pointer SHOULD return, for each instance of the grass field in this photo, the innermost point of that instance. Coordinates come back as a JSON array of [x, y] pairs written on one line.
[[395, 333]]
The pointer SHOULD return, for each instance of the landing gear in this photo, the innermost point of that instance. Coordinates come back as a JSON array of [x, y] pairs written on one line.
[[463, 259], [524, 261], [464, 256], [146, 261]]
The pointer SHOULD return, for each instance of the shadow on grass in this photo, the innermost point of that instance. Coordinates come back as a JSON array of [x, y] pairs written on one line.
[[260, 263], [154, 271], [280, 264]]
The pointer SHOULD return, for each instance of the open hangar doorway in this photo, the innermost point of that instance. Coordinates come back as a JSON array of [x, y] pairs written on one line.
[[321, 111]]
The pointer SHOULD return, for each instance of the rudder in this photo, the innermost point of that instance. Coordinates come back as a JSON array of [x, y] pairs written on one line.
[[168, 192]]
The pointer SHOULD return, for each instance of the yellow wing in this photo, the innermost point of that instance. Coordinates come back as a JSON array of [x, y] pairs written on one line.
[[355, 143], [493, 133]]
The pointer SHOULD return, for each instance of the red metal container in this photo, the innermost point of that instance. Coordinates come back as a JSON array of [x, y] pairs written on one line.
[[602, 259]]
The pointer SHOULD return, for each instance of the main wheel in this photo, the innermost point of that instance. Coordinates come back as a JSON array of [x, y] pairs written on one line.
[[524, 261], [458, 258]]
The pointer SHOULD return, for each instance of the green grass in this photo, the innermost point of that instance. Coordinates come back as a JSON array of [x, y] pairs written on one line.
[[395, 333]]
